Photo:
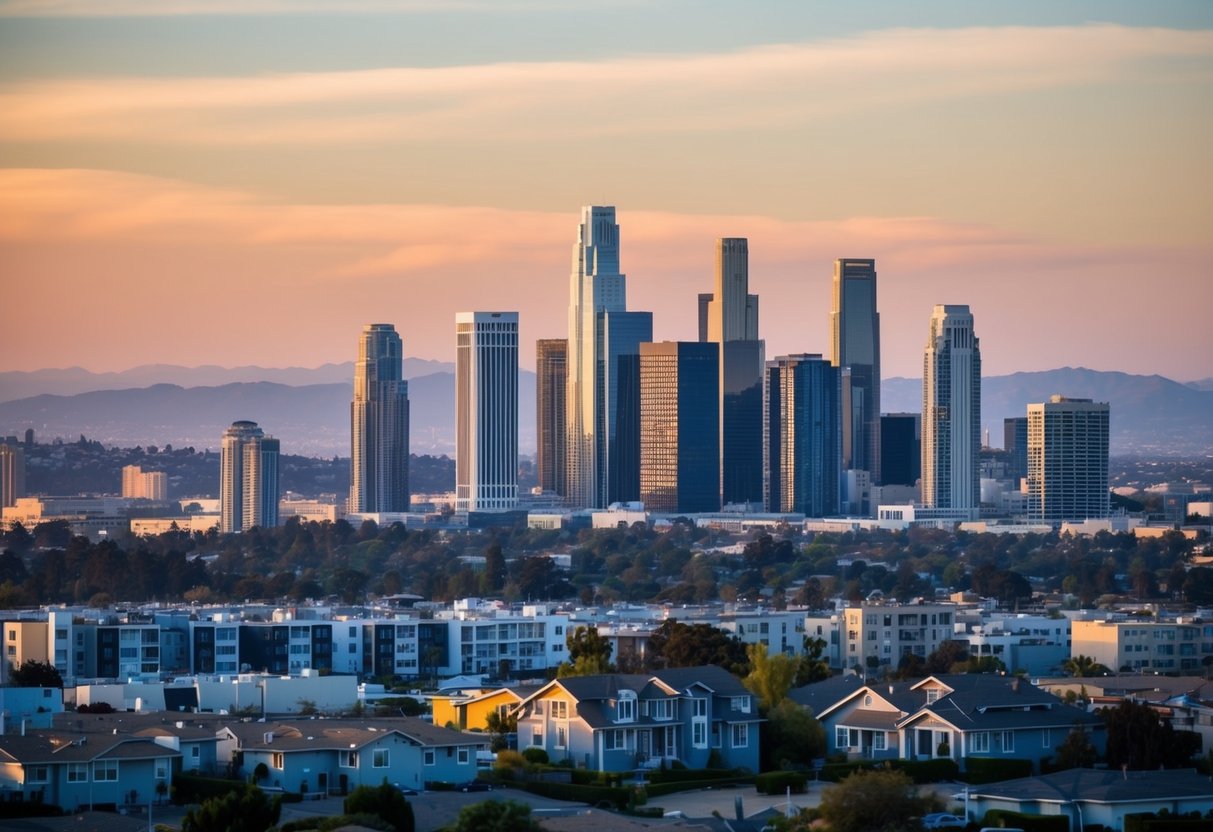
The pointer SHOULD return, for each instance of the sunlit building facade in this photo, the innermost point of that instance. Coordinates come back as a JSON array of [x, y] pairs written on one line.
[[951, 412], [379, 424]]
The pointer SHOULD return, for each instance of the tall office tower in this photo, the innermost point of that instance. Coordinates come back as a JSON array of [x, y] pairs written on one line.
[[732, 323], [12, 472], [679, 462], [855, 327], [1068, 460], [144, 485], [802, 435], [951, 412], [705, 299], [1015, 443], [248, 484], [486, 411], [379, 424], [551, 377], [900, 455], [604, 341]]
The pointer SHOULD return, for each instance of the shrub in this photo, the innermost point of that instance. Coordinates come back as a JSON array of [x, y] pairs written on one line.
[[381, 801], [535, 756], [190, 788], [1028, 823], [778, 782], [993, 769], [928, 771]]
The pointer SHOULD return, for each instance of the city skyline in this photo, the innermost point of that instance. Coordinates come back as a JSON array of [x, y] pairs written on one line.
[[986, 156]]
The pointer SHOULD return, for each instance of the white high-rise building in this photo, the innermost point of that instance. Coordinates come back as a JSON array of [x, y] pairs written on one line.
[[486, 411], [595, 287], [1068, 460], [379, 424], [248, 484], [951, 413]]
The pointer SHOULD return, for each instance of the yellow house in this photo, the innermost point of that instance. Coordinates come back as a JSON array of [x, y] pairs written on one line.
[[471, 713]]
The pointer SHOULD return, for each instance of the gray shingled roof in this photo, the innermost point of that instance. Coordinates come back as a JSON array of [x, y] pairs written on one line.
[[56, 748], [340, 734], [821, 695], [1101, 786]]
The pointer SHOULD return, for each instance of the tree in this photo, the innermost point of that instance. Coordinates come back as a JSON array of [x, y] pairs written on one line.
[[882, 800], [675, 644], [811, 667], [1140, 739], [495, 816], [1081, 665], [246, 810], [791, 737], [384, 801], [945, 656], [499, 726], [770, 676], [1076, 750], [32, 673], [494, 569], [589, 653]]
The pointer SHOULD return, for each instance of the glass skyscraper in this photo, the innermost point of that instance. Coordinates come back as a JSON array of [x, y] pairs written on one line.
[[802, 437], [248, 482], [951, 412], [379, 424], [551, 379], [855, 329]]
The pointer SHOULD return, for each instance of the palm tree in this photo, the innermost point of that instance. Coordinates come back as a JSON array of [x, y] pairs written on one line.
[[1081, 665]]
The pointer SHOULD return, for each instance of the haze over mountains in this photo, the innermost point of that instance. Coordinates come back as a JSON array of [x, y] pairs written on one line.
[[308, 409]]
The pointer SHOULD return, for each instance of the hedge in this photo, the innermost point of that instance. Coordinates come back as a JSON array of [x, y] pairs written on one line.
[[11, 809], [980, 770], [593, 795], [687, 775], [928, 771], [1150, 822], [191, 788], [1028, 823], [778, 782], [659, 789]]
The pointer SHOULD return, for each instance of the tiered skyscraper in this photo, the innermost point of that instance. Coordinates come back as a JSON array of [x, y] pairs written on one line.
[[802, 437], [855, 327], [951, 412], [486, 411], [729, 318], [679, 427], [551, 382], [379, 424], [1068, 460], [248, 484], [602, 424]]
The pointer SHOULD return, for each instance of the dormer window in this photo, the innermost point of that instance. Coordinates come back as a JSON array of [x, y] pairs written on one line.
[[932, 695], [560, 709], [625, 707]]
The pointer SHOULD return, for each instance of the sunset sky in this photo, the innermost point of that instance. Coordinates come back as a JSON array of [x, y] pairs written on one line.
[[249, 181]]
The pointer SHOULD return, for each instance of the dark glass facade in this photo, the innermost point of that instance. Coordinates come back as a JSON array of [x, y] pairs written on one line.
[[803, 435], [900, 454], [551, 376]]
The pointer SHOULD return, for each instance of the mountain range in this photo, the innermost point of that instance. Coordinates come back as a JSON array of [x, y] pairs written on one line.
[[308, 409]]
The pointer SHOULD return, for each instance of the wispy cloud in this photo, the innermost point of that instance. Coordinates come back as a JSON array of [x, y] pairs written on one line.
[[765, 87], [165, 8]]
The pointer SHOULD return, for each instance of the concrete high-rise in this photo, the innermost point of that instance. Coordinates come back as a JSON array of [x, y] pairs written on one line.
[[1068, 460], [900, 454], [145, 485], [802, 436], [486, 411], [729, 319], [379, 424], [951, 412], [855, 330], [603, 343], [551, 380], [679, 428], [1015, 443], [248, 484], [12, 472]]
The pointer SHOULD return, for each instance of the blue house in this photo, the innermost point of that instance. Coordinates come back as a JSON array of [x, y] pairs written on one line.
[[618, 722]]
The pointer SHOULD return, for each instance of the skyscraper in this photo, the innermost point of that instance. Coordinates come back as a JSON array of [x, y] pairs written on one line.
[[248, 484], [146, 485], [1015, 443], [900, 454], [486, 411], [618, 432], [730, 320], [1068, 460], [551, 379], [951, 412], [855, 327], [12, 472], [603, 341], [802, 436], [379, 424], [679, 465]]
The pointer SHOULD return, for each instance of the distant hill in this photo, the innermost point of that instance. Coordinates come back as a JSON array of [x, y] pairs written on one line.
[[311, 419], [1201, 384], [1150, 414]]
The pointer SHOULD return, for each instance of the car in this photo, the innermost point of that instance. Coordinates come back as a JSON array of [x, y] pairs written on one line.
[[405, 790], [475, 786], [943, 820]]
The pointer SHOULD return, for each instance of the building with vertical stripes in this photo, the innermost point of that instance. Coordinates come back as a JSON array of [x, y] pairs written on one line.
[[802, 436], [379, 424], [1068, 460], [486, 411], [551, 378], [951, 413], [248, 485]]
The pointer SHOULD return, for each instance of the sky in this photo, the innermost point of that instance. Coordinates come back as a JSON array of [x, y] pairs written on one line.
[[250, 181]]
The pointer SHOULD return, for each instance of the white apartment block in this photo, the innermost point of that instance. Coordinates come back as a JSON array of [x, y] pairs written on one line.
[[1162, 646], [877, 635]]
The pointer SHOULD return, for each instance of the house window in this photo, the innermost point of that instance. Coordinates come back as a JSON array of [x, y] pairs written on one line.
[[1008, 742], [741, 703], [560, 709], [463, 756], [161, 771], [1046, 738], [699, 734], [77, 772], [561, 736], [979, 742], [840, 737], [932, 696], [741, 735], [867, 700], [699, 707], [37, 774], [196, 752], [625, 708], [348, 759], [663, 709], [276, 761], [537, 738], [879, 741], [427, 757], [105, 771]]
